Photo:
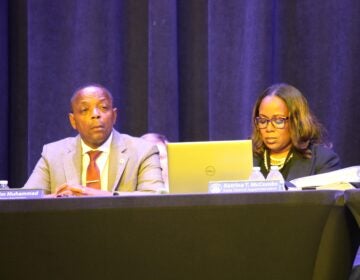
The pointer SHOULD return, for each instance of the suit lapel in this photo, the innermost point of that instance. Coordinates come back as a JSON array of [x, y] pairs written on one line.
[[302, 167], [72, 162], [117, 161]]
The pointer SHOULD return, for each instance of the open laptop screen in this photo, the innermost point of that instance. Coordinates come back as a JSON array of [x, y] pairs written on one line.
[[193, 164]]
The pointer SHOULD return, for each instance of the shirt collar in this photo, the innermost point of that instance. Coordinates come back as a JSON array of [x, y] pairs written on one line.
[[104, 147]]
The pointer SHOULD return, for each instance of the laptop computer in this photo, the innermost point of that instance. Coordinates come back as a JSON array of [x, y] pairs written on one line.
[[193, 164]]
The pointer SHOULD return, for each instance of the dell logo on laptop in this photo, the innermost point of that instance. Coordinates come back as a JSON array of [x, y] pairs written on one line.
[[210, 170]]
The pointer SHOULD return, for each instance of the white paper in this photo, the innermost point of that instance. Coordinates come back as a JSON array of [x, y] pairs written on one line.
[[345, 175]]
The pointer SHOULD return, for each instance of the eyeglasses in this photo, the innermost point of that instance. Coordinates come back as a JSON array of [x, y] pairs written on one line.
[[277, 122]]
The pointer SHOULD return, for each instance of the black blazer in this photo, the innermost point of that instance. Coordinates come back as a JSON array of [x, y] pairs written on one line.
[[323, 160]]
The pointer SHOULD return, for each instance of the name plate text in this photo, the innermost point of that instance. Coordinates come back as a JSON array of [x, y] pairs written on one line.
[[21, 193], [245, 186]]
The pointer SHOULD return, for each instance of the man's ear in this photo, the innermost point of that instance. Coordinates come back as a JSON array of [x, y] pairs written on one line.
[[114, 115], [72, 120]]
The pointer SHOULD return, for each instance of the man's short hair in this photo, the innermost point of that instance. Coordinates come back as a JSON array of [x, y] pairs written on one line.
[[86, 86]]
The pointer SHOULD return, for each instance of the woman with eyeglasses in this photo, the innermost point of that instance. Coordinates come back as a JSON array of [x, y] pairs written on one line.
[[286, 134]]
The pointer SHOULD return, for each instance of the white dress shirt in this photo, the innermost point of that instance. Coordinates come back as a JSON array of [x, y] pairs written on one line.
[[102, 162]]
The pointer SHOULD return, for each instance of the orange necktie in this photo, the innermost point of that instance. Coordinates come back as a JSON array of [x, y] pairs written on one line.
[[93, 172]]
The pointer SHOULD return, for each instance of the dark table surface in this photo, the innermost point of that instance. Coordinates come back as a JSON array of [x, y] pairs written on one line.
[[284, 235]]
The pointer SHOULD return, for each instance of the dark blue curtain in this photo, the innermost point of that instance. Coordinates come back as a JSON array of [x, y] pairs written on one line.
[[188, 69], [4, 89]]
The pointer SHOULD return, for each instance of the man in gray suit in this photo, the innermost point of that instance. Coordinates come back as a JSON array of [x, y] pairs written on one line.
[[125, 165]]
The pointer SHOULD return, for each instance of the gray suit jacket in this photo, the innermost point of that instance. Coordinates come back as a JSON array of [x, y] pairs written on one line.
[[134, 165]]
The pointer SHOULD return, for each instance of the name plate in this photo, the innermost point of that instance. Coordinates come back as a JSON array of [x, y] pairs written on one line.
[[21, 193], [245, 186]]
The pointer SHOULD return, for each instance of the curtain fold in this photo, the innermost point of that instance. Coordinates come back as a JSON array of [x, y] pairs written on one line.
[[4, 88]]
